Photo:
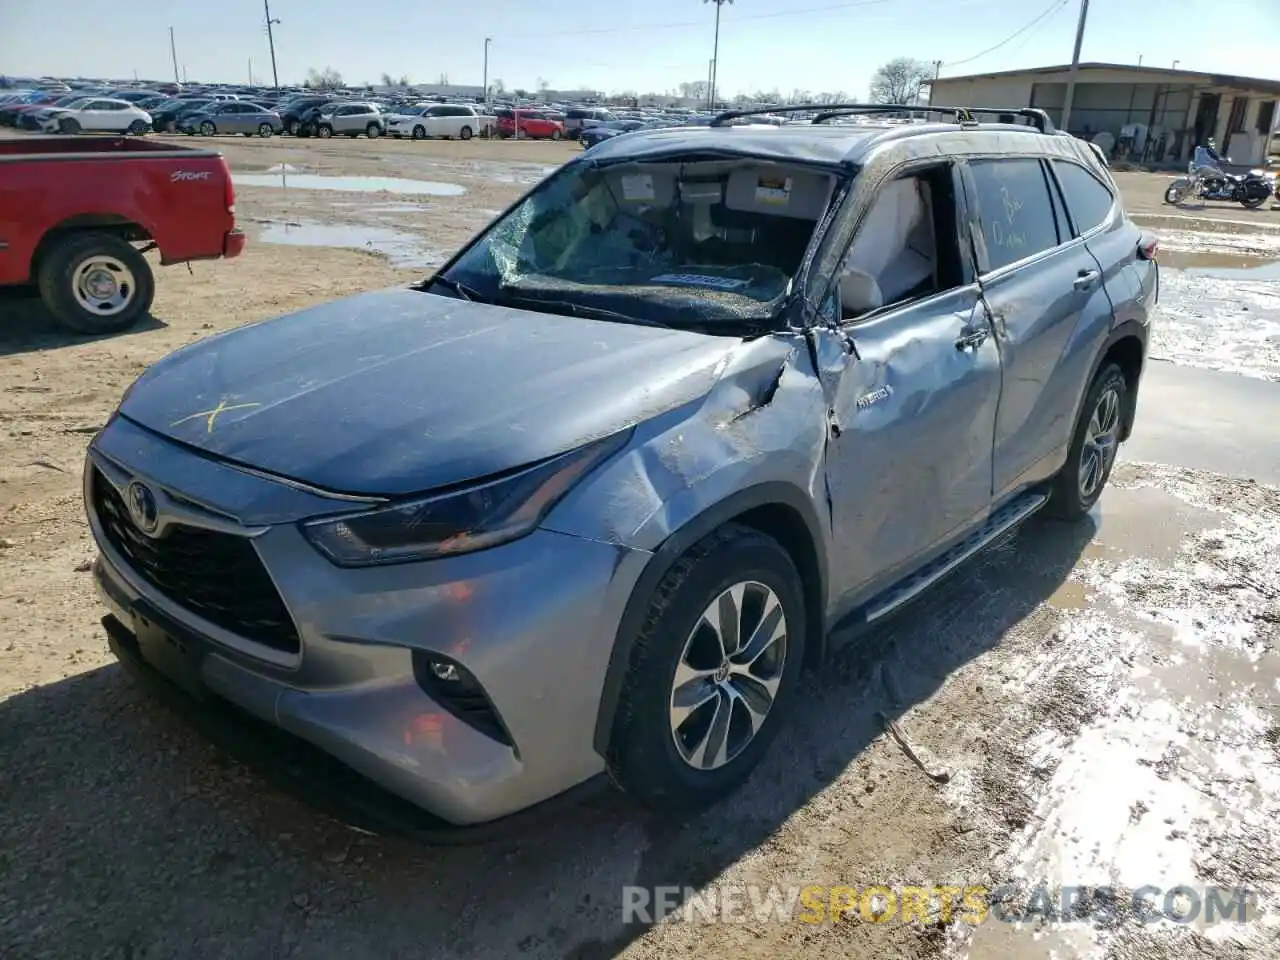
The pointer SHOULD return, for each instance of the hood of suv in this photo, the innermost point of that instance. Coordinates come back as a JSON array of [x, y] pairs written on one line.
[[400, 391]]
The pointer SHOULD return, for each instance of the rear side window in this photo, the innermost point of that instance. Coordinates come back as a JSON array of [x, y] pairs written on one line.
[[1015, 208], [1088, 199]]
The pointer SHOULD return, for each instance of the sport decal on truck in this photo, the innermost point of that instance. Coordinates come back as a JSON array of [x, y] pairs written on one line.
[[182, 176]]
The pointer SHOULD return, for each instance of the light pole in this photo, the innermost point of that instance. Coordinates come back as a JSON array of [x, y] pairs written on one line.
[[711, 65], [715, 51], [271, 42], [173, 51], [1075, 66], [487, 41]]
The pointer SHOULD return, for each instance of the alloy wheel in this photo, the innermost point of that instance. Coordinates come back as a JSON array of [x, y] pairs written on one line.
[[1099, 442], [728, 675]]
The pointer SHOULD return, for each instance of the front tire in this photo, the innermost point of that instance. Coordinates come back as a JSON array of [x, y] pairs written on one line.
[[69, 125], [266, 130], [373, 131], [324, 131], [96, 283], [465, 133], [712, 673], [207, 129], [137, 128], [556, 134], [419, 133], [1094, 445]]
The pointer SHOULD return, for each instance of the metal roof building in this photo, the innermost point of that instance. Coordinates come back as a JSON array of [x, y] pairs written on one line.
[[1151, 115]]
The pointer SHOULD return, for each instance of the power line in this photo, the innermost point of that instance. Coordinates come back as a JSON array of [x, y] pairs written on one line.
[[1031, 36], [1051, 9], [681, 24]]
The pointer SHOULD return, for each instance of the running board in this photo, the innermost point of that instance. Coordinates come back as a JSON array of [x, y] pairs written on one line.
[[999, 523]]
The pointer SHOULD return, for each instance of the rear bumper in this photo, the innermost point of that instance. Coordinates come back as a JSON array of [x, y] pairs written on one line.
[[233, 243], [314, 777]]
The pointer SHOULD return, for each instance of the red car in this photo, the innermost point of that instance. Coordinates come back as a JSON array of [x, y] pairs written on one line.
[[529, 123], [74, 210]]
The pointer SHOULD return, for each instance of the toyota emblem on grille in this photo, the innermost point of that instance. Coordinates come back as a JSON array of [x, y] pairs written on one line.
[[143, 510]]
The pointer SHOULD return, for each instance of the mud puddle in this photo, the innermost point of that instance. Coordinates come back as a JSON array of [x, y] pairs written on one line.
[[1146, 754], [401, 249], [311, 181]]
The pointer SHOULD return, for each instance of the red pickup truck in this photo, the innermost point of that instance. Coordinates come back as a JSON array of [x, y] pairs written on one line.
[[78, 213]]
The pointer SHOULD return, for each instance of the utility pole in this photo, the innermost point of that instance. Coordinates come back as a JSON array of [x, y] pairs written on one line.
[[271, 42], [715, 53], [487, 41], [711, 65], [937, 72], [173, 51], [251, 71], [1075, 66]]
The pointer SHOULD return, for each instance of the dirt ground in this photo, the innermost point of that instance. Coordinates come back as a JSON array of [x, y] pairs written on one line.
[[1103, 698]]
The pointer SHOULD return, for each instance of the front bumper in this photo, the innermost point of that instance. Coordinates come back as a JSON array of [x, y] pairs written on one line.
[[533, 621]]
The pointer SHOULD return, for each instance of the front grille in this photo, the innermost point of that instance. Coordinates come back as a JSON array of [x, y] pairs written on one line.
[[217, 576]]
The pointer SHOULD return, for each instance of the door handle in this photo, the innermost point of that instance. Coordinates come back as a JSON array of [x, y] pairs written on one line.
[[972, 339], [1086, 279]]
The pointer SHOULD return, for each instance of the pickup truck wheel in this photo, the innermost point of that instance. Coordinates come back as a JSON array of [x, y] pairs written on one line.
[[324, 131], [96, 283], [373, 131], [465, 133], [1094, 445], [712, 673], [207, 129], [419, 132]]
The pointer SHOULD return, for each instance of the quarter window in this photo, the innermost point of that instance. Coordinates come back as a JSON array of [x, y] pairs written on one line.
[[1015, 209], [1089, 200]]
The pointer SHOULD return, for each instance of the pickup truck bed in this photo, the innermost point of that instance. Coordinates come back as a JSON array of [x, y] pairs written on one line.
[[76, 212]]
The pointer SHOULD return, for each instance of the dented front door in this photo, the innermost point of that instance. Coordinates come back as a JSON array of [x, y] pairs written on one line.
[[912, 397]]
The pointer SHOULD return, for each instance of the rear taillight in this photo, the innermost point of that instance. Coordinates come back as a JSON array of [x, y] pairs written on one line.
[[1148, 247], [228, 189]]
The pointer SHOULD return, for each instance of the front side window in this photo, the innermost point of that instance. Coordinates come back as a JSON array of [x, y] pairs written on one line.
[[677, 243], [1089, 201], [1015, 209]]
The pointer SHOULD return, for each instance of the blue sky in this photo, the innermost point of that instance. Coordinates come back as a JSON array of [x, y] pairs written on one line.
[[815, 45]]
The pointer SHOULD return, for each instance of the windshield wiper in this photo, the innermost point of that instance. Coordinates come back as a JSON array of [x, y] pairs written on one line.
[[461, 289], [507, 298]]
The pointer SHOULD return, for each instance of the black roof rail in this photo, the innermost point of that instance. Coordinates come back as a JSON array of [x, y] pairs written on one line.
[[828, 111]]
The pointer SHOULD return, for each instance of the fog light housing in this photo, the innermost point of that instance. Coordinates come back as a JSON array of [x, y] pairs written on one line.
[[456, 689]]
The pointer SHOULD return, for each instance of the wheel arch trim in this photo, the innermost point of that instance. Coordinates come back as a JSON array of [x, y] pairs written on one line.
[[767, 494]]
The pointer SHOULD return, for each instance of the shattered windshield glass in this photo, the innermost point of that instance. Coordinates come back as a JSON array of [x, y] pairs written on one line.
[[671, 242]]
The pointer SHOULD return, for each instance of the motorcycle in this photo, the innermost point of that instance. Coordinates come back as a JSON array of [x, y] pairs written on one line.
[[1251, 190]]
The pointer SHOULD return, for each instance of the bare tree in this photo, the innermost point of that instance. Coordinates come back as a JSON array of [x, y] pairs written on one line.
[[498, 86], [326, 79], [694, 89], [900, 80]]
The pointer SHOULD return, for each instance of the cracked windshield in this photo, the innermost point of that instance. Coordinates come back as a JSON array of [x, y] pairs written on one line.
[[735, 479]]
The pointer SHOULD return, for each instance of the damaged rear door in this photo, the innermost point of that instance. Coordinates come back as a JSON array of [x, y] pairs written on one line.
[[913, 390]]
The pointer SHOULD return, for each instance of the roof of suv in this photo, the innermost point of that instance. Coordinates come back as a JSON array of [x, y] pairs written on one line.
[[830, 144]]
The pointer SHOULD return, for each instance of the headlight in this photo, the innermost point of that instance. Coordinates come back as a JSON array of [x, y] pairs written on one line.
[[464, 521]]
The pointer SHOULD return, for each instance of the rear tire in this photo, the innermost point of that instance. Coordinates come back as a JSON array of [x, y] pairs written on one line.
[[1253, 203], [465, 133], [665, 754], [1093, 449], [207, 129], [373, 131], [78, 271], [324, 131]]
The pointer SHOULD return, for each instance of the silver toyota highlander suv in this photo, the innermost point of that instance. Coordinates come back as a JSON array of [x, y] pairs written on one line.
[[587, 501]]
